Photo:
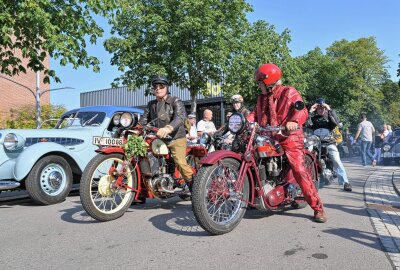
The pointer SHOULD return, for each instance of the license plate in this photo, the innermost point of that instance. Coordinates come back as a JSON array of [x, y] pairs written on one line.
[[107, 141]]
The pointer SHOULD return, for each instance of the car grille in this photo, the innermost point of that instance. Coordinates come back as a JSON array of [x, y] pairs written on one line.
[[396, 148], [62, 141]]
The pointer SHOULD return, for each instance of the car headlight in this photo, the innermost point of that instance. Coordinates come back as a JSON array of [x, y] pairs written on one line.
[[236, 123], [13, 142], [386, 147], [116, 119]]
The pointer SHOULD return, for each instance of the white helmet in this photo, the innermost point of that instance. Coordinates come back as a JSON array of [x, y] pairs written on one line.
[[236, 98]]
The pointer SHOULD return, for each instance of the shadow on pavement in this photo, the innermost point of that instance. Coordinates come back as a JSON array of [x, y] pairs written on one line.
[[179, 221], [363, 238]]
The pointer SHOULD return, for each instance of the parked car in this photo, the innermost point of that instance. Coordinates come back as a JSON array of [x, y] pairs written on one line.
[[46, 162], [391, 149]]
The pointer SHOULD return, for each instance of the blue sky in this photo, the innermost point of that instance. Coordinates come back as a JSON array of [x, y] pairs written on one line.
[[312, 23]]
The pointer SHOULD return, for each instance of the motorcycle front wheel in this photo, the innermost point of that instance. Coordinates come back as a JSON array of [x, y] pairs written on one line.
[[100, 197], [217, 204]]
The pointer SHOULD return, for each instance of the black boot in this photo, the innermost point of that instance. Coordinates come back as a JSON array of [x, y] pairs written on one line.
[[347, 187]]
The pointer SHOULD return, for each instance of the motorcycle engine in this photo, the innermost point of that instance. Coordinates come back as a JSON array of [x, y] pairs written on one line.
[[162, 185], [272, 167]]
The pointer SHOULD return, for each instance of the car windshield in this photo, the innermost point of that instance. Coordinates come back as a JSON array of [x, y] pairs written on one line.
[[81, 119]]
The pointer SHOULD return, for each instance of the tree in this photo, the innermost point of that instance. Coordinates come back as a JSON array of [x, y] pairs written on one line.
[[41, 28], [260, 44], [24, 116], [350, 76], [190, 41]]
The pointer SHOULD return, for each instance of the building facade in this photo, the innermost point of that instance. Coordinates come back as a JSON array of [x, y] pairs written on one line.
[[14, 96]]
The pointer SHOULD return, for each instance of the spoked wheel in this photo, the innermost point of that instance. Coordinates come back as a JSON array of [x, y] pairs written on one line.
[[310, 169], [102, 199], [217, 204]]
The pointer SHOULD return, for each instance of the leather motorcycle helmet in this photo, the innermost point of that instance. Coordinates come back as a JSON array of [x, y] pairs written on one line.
[[159, 79], [268, 74]]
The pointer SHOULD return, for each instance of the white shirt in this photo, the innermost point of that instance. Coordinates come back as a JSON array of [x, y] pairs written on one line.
[[206, 126], [193, 133]]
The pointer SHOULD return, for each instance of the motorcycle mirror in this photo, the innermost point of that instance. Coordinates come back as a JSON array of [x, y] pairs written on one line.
[[299, 105]]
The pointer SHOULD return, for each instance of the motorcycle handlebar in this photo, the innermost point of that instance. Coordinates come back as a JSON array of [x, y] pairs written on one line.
[[276, 128]]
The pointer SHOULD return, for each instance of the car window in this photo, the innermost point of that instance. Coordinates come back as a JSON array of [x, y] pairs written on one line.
[[81, 119]]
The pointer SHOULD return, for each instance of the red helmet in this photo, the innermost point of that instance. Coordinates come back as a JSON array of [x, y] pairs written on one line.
[[268, 73]]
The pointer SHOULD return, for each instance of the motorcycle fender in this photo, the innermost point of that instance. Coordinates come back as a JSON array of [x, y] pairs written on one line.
[[110, 150], [217, 155], [27, 159]]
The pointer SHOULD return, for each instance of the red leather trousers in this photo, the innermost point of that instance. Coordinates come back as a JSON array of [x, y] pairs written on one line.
[[294, 149]]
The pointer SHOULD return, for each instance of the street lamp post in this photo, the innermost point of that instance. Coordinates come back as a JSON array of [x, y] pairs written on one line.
[[36, 95]]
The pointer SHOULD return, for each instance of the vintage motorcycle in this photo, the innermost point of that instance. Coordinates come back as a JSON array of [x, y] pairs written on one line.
[[213, 142], [255, 172], [317, 143], [111, 181]]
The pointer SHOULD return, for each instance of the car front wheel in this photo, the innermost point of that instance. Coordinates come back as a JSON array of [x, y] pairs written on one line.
[[50, 180]]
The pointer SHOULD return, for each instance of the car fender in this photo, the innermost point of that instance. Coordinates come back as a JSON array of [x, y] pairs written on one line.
[[217, 155], [27, 159]]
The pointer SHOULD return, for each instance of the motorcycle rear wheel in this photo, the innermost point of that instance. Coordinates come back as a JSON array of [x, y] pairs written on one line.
[[217, 205], [100, 198]]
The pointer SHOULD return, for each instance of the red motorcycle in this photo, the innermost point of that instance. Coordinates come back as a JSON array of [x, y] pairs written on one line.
[[111, 181], [256, 173]]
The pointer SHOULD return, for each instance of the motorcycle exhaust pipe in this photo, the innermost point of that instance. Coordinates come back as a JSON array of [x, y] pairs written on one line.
[[6, 185]]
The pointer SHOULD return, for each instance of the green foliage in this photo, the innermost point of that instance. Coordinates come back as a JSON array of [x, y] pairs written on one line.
[[42, 28], [24, 117], [193, 42], [135, 146], [350, 76]]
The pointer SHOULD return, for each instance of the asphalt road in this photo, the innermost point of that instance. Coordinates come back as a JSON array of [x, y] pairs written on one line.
[[165, 235]]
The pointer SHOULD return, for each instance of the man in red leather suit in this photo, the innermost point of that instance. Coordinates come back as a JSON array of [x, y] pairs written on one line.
[[272, 108]]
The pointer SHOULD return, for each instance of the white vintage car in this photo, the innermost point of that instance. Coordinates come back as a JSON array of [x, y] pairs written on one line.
[[46, 162]]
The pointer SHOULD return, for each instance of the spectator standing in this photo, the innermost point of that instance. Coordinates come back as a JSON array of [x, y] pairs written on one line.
[[206, 125], [389, 133], [366, 132], [192, 137], [378, 145]]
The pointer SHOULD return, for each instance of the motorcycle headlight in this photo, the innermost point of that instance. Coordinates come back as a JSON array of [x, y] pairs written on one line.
[[312, 140], [127, 120], [386, 147], [236, 123], [13, 142]]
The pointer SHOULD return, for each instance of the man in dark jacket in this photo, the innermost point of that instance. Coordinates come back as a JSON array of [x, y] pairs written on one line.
[[168, 114], [325, 118]]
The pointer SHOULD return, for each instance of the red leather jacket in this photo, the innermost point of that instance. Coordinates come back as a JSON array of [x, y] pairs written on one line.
[[284, 97]]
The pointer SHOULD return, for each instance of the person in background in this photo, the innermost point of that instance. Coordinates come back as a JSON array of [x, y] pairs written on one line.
[[366, 131], [272, 108], [206, 125], [192, 137], [378, 142], [389, 133], [238, 105], [326, 118]]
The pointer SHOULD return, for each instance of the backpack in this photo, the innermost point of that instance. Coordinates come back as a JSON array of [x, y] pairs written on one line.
[[337, 135]]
